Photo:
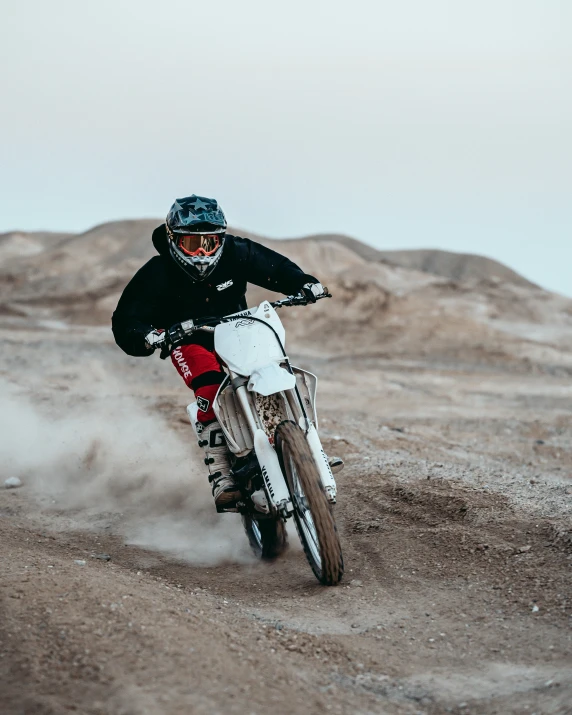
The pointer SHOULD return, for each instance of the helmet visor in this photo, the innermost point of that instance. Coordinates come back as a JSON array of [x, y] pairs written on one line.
[[198, 244]]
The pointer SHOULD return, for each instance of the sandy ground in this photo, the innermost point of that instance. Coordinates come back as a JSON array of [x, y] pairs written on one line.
[[455, 516]]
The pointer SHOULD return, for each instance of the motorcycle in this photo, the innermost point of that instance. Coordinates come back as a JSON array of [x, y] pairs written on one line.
[[267, 410]]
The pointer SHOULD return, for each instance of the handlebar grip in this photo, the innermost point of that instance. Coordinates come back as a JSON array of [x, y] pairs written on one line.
[[178, 332]]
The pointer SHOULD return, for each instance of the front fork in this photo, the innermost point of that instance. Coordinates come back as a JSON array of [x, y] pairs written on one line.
[[274, 482], [273, 476], [326, 476], [274, 479]]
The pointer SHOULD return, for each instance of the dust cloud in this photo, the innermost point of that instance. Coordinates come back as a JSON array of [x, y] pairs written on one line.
[[113, 462]]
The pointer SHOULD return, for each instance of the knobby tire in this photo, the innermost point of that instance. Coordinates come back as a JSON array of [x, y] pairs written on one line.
[[294, 450]]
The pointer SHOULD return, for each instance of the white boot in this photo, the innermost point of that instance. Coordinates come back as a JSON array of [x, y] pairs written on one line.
[[212, 440]]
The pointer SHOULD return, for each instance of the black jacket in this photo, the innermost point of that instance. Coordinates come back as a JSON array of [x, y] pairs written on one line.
[[161, 294]]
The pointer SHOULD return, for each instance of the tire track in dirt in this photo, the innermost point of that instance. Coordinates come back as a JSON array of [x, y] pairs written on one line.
[[435, 614], [436, 585]]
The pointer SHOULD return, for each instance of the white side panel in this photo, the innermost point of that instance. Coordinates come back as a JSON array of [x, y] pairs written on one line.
[[326, 476], [271, 472], [231, 419], [245, 344]]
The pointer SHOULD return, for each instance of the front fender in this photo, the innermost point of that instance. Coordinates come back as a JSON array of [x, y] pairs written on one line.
[[270, 379]]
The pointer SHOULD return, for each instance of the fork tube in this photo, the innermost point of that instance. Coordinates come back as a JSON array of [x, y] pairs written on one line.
[[295, 402], [242, 396]]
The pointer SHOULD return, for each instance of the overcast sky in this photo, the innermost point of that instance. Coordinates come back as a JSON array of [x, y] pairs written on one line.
[[418, 123]]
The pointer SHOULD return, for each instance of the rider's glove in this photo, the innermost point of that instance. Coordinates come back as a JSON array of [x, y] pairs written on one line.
[[313, 291], [155, 339]]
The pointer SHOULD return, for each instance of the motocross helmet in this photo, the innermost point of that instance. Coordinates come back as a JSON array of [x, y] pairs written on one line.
[[195, 228]]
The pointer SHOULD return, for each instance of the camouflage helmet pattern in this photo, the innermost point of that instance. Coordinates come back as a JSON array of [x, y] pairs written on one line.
[[196, 214]]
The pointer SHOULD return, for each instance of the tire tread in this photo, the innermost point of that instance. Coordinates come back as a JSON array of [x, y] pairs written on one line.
[[290, 437]]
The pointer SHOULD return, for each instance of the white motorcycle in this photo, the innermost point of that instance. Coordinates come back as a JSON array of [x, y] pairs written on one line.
[[267, 410]]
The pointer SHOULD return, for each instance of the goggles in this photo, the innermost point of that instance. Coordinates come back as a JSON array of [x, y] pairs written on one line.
[[198, 244]]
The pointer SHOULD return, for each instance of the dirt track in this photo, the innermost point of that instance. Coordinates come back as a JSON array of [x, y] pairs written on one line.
[[454, 512]]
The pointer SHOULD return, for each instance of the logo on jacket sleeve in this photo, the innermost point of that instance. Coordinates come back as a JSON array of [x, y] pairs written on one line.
[[224, 285]]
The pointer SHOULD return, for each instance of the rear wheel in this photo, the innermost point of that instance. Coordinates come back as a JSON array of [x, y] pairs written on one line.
[[267, 537], [312, 513]]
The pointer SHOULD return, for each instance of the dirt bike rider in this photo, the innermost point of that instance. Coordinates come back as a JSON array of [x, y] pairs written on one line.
[[201, 271]]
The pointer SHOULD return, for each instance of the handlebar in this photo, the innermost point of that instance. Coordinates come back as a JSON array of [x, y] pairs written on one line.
[[298, 299], [178, 332]]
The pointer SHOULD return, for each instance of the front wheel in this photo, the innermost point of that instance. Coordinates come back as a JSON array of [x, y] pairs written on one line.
[[312, 514]]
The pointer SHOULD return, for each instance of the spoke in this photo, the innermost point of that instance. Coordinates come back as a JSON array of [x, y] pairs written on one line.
[[305, 516]]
